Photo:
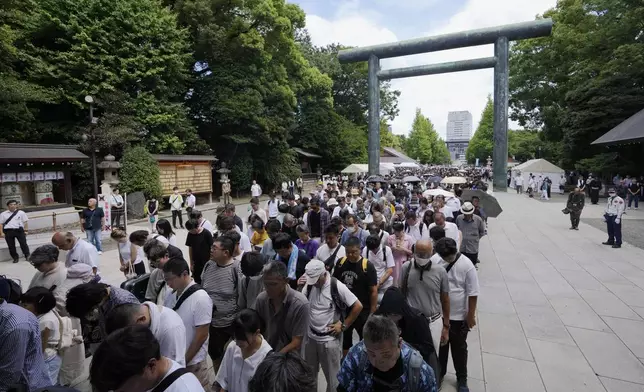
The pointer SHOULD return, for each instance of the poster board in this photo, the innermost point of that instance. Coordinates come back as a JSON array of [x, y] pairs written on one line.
[[104, 203]]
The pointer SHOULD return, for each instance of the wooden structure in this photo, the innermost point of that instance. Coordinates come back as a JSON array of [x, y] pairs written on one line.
[[306, 158], [186, 172]]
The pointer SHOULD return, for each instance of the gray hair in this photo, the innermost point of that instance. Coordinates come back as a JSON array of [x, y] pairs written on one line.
[[302, 228], [44, 254], [155, 250], [283, 372], [289, 218], [277, 268], [380, 329]]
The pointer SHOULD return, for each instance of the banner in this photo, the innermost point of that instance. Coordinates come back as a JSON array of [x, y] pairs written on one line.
[[104, 203]]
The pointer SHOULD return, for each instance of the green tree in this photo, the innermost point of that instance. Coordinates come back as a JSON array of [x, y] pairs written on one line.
[[140, 173], [440, 152], [388, 138], [482, 143], [584, 79], [423, 143], [128, 54]]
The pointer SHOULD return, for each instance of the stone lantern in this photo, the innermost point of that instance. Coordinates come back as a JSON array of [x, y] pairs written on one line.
[[110, 167], [225, 182]]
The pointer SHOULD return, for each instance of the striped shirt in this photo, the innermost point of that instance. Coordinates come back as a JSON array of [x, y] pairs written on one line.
[[221, 284], [21, 359]]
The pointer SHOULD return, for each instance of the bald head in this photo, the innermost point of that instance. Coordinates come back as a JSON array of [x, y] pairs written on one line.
[[423, 248], [63, 241]]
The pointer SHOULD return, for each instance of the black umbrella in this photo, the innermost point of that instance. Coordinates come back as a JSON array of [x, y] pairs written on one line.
[[490, 205], [436, 179], [376, 178], [411, 179]]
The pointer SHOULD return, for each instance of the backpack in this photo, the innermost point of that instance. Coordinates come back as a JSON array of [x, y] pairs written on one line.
[[68, 335], [335, 298], [10, 290], [191, 290], [364, 263]]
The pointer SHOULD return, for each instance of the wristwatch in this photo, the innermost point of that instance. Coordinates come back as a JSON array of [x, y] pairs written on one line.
[[344, 327]]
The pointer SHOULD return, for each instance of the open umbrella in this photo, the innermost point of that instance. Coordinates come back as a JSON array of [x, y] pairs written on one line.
[[436, 179], [411, 179], [437, 192], [376, 178], [490, 205], [454, 180]]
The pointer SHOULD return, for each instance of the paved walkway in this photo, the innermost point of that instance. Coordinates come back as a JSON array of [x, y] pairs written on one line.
[[558, 311]]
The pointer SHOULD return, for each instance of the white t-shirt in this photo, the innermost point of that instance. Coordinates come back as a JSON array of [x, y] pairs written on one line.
[[16, 222], [244, 242], [195, 311], [336, 210], [518, 180], [186, 383], [256, 190], [82, 252], [167, 327], [451, 231], [191, 201], [50, 321], [414, 231], [271, 207], [206, 225], [463, 283], [324, 252], [235, 372], [381, 265], [322, 311]]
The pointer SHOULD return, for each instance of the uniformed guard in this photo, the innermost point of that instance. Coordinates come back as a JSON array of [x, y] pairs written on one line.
[[613, 218], [13, 226]]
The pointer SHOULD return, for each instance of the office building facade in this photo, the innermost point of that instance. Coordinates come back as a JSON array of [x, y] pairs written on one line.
[[459, 132]]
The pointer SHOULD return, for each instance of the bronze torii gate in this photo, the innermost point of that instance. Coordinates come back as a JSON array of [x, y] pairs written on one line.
[[500, 36]]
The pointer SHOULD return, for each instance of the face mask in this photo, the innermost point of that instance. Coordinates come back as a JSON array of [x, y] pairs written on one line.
[[422, 261]]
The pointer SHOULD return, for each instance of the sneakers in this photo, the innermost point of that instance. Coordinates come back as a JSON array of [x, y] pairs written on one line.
[[608, 243], [461, 386], [100, 252]]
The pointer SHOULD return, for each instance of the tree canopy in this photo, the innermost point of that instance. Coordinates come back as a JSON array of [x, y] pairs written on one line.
[[423, 143]]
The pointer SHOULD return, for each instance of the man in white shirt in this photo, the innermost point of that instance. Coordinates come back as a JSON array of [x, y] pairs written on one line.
[[463, 295], [331, 247], [13, 226], [78, 251], [375, 229], [451, 230], [256, 210], [255, 189], [329, 303], [518, 183], [165, 324], [129, 359], [194, 306], [271, 206], [191, 201], [415, 227], [176, 203], [116, 208], [342, 205], [383, 260]]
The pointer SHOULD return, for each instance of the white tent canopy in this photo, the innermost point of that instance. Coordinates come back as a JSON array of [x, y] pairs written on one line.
[[538, 167], [355, 168]]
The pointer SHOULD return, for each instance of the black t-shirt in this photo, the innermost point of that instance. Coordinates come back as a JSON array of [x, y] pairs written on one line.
[[200, 244], [174, 252], [359, 282], [388, 381], [314, 224], [635, 188], [93, 218]]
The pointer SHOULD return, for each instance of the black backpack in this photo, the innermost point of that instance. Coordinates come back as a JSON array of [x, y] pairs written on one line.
[[11, 289], [335, 298]]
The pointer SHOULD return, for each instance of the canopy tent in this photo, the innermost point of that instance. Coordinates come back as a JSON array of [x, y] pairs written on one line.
[[538, 167], [356, 168], [409, 164]]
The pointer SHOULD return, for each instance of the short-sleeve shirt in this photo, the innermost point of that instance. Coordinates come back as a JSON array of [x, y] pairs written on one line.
[[382, 260], [16, 222], [322, 309], [221, 283], [200, 244], [425, 294], [92, 218], [463, 283], [195, 311], [290, 321], [357, 280], [50, 321], [82, 252], [324, 252]]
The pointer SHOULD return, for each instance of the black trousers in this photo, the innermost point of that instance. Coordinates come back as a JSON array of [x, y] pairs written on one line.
[[472, 256], [11, 235], [574, 218], [594, 196], [117, 214], [176, 214], [458, 342], [358, 325]]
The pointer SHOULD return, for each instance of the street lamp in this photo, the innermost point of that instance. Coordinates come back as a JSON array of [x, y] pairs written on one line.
[[92, 140]]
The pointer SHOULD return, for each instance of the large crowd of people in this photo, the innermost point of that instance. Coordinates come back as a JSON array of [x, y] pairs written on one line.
[[270, 301]]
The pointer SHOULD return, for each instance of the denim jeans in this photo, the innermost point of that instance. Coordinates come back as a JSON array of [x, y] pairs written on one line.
[[53, 368], [632, 197], [94, 238]]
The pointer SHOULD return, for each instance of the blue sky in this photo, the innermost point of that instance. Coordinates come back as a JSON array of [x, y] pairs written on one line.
[[370, 22]]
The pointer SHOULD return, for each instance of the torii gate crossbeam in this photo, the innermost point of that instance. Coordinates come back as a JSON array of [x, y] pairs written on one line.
[[500, 36]]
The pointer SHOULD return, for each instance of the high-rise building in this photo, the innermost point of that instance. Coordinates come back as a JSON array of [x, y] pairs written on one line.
[[459, 132]]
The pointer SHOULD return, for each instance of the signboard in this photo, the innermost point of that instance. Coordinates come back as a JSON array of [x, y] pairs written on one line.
[[103, 202], [38, 176], [24, 177], [8, 177], [50, 175]]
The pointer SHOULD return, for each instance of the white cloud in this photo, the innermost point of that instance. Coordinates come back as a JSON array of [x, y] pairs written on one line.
[[438, 94]]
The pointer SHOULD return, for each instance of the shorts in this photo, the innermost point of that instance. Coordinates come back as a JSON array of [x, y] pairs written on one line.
[[219, 336], [358, 325]]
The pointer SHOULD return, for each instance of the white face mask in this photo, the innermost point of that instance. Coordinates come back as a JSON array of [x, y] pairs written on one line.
[[421, 261]]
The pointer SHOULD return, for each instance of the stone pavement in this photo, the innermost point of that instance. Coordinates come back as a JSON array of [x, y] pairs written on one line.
[[558, 311]]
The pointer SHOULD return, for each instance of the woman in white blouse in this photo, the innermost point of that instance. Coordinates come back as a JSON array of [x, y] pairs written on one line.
[[165, 230], [243, 355]]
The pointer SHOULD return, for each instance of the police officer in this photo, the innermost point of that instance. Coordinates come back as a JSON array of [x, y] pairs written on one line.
[[13, 225], [613, 218]]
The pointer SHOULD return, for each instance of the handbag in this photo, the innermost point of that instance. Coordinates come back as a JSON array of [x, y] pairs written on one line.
[[130, 272], [153, 218], [566, 210]]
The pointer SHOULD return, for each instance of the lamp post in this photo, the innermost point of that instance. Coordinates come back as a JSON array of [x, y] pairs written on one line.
[[92, 140]]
